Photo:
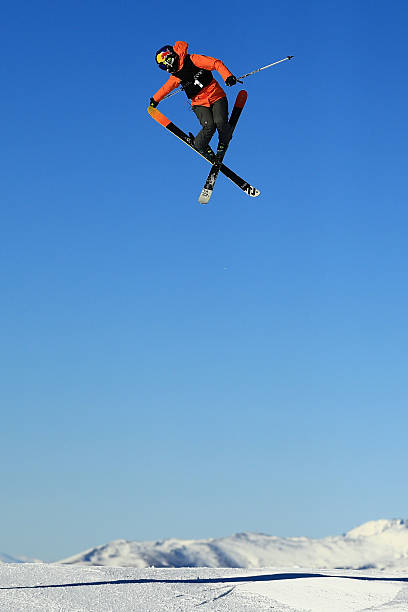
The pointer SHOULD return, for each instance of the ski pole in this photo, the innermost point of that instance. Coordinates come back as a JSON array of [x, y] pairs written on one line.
[[173, 93], [289, 57]]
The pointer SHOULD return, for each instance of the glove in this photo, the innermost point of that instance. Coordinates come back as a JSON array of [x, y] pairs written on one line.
[[153, 103], [231, 80]]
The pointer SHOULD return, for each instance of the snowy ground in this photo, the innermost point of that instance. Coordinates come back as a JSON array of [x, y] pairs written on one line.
[[60, 588]]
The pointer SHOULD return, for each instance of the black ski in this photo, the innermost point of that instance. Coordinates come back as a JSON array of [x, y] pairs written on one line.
[[165, 122], [208, 188]]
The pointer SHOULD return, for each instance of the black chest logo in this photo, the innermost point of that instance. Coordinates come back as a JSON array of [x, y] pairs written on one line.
[[193, 79]]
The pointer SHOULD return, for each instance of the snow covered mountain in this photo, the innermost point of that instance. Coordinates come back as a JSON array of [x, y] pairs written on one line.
[[4, 558], [377, 544]]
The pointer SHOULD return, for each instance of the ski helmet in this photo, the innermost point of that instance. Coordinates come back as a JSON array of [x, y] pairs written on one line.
[[167, 58]]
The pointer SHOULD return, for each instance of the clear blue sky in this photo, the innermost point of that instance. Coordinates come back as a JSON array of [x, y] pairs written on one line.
[[175, 370]]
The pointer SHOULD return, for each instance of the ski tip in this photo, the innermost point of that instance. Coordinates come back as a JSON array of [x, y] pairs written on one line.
[[241, 98], [158, 116]]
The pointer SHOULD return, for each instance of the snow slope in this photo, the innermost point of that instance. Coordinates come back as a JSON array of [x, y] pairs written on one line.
[[377, 544], [62, 588]]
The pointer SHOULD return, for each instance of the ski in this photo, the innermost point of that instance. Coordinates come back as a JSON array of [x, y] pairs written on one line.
[[171, 127], [208, 188]]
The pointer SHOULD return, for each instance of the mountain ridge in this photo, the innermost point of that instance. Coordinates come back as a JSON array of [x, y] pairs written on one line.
[[376, 544]]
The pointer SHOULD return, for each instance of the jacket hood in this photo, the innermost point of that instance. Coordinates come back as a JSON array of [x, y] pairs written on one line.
[[180, 47]]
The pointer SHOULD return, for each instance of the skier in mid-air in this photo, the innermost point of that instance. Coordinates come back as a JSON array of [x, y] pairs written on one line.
[[208, 99]]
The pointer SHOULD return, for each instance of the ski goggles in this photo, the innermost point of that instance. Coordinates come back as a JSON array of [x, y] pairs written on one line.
[[166, 58]]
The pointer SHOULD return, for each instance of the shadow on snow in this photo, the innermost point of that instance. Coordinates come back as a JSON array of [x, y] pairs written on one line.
[[221, 580]]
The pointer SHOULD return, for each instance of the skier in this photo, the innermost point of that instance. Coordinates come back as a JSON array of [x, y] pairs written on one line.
[[208, 99]]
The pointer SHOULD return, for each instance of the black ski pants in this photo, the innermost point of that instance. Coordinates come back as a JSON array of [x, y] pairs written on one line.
[[214, 117]]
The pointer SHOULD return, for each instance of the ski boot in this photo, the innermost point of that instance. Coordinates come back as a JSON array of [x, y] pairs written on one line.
[[206, 151], [221, 150], [209, 154]]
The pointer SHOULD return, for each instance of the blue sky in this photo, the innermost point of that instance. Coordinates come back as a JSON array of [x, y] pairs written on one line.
[[177, 370]]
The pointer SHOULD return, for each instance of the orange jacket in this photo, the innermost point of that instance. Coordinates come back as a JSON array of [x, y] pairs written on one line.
[[209, 94]]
